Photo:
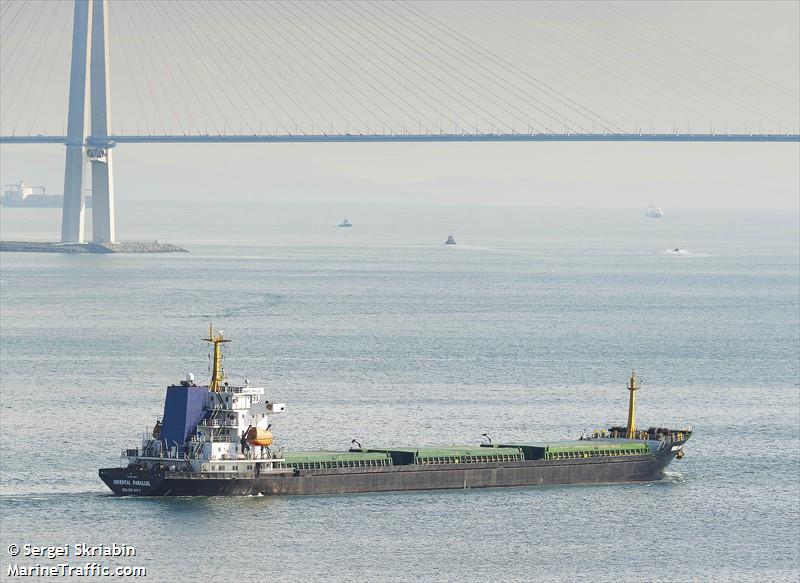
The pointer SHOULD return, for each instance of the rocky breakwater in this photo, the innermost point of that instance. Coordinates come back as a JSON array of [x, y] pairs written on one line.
[[75, 248]]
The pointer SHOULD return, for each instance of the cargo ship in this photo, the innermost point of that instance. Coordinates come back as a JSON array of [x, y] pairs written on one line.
[[217, 439], [27, 196]]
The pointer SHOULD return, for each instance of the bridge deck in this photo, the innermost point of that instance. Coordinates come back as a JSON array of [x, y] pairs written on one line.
[[496, 137]]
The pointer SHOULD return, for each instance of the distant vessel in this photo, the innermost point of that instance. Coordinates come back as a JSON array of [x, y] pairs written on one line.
[[215, 439], [677, 251], [24, 195], [450, 240], [654, 212], [345, 223]]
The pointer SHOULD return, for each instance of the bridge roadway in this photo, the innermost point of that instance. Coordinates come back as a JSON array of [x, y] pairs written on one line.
[[428, 137]]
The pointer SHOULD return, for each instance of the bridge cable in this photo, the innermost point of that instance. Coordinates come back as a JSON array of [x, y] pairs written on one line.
[[257, 78], [548, 111], [296, 65], [155, 26], [123, 45], [426, 53], [208, 71], [325, 70], [534, 82], [135, 37], [396, 71], [645, 81], [306, 73], [644, 77], [233, 67], [38, 54], [315, 60], [37, 46], [20, 10], [487, 117], [150, 70], [408, 114], [556, 57], [222, 69], [396, 34], [696, 48], [19, 49], [569, 125], [414, 46], [363, 79], [177, 34], [521, 74], [248, 33], [436, 80], [366, 56], [62, 34], [666, 65], [152, 62], [705, 72], [697, 79]]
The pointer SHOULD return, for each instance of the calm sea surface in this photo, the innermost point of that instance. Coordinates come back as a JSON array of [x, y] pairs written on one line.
[[527, 330]]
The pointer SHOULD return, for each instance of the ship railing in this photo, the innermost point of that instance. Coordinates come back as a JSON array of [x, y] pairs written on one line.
[[658, 433], [215, 412], [215, 422], [246, 389], [219, 439], [267, 455]]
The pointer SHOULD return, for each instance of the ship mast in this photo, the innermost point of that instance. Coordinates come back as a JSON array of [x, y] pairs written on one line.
[[217, 374], [632, 387]]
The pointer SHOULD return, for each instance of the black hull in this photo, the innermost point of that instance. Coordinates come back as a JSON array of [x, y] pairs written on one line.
[[137, 482]]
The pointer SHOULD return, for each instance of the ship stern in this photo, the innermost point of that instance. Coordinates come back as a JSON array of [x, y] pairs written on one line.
[[132, 481]]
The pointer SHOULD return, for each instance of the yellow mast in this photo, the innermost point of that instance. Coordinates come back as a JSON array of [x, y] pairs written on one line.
[[217, 374], [632, 387]]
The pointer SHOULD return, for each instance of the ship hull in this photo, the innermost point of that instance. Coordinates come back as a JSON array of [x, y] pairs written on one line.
[[38, 201], [137, 482]]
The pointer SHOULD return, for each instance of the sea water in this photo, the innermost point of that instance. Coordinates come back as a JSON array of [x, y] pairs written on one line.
[[527, 330]]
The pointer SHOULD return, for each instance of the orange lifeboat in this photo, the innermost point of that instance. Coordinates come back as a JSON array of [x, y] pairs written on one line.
[[260, 437]]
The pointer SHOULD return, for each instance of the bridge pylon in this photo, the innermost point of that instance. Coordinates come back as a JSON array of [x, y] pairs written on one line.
[[89, 92]]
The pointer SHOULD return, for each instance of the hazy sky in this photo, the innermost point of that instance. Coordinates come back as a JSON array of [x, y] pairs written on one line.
[[192, 67]]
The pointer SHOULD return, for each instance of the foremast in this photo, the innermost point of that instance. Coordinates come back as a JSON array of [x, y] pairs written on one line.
[[633, 386], [217, 372]]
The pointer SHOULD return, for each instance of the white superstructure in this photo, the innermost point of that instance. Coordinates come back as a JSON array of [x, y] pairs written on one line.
[[221, 427], [19, 192], [654, 212]]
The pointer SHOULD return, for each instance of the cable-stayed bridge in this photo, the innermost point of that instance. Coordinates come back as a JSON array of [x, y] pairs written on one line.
[[278, 72]]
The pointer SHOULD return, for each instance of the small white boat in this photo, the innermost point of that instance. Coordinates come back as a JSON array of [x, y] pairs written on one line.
[[450, 240], [654, 212], [345, 223]]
